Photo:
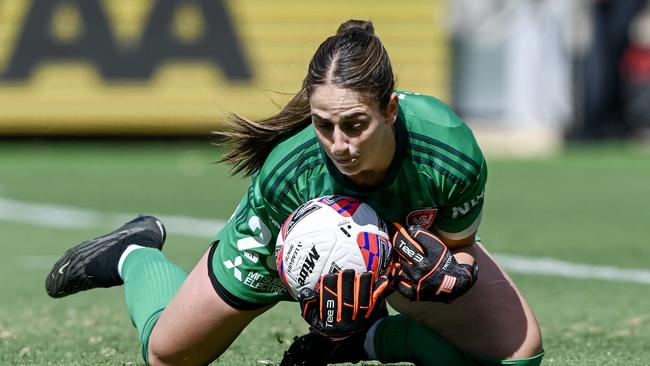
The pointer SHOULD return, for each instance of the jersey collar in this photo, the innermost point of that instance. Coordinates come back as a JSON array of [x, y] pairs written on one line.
[[401, 141]]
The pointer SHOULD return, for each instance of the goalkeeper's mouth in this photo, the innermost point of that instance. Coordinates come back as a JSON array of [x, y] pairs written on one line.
[[345, 161]]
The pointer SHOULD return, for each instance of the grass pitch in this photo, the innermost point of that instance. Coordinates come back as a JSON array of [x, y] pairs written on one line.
[[587, 205]]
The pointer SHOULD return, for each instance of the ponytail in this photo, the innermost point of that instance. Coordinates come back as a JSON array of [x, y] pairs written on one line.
[[252, 141]]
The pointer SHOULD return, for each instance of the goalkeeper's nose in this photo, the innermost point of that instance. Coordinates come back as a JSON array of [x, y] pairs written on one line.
[[339, 146]]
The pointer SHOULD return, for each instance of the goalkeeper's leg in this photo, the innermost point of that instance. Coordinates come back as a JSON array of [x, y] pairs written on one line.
[[181, 319], [492, 321], [195, 328], [399, 338]]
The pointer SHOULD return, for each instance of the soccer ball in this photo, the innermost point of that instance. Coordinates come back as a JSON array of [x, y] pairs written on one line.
[[328, 234]]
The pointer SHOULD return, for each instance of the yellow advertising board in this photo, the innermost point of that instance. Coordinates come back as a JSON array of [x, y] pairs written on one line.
[[165, 67]]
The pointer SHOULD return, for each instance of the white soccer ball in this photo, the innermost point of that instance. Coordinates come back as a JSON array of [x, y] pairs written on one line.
[[328, 234]]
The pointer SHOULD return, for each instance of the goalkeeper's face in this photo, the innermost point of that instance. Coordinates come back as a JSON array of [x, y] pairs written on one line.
[[355, 132]]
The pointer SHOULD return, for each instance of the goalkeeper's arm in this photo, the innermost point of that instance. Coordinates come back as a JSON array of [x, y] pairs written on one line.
[[459, 247], [428, 271]]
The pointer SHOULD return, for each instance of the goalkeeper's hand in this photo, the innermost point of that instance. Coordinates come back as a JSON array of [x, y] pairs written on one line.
[[427, 270], [344, 303]]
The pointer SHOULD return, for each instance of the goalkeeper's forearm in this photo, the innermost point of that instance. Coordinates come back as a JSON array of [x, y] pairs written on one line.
[[428, 270], [464, 256], [460, 249]]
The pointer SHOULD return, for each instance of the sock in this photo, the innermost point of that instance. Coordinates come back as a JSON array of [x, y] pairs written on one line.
[[150, 282], [399, 338], [369, 342], [530, 361], [126, 252]]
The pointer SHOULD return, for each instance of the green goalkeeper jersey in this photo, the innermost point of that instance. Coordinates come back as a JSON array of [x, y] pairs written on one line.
[[436, 179]]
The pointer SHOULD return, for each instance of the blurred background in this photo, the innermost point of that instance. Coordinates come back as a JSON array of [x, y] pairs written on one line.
[[106, 109], [528, 75]]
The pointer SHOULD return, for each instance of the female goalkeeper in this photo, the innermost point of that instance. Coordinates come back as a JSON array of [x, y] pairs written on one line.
[[346, 132]]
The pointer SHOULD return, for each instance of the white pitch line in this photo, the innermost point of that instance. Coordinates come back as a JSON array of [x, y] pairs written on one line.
[[66, 217], [558, 268]]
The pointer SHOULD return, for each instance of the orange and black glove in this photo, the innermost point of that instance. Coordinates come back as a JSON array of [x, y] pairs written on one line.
[[427, 270], [344, 303]]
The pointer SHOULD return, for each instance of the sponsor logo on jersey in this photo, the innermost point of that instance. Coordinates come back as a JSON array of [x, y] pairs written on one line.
[[423, 217], [308, 265], [265, 283], [233, 265], [464, 209]]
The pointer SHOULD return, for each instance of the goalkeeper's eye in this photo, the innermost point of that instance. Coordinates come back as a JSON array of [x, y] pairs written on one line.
[[323, 126], [355, 126]]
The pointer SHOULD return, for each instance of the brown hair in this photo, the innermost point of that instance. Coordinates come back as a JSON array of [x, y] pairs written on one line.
[[354, 59]]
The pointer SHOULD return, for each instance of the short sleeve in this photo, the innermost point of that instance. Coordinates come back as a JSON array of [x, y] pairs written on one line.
[[460, 214], [244, 259]]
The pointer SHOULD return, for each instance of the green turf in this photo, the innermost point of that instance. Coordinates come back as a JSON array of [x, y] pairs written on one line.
[[587, 205]]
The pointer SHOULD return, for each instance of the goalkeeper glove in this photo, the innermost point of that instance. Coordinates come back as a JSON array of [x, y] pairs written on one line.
[[427, 270], [344, 303]]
